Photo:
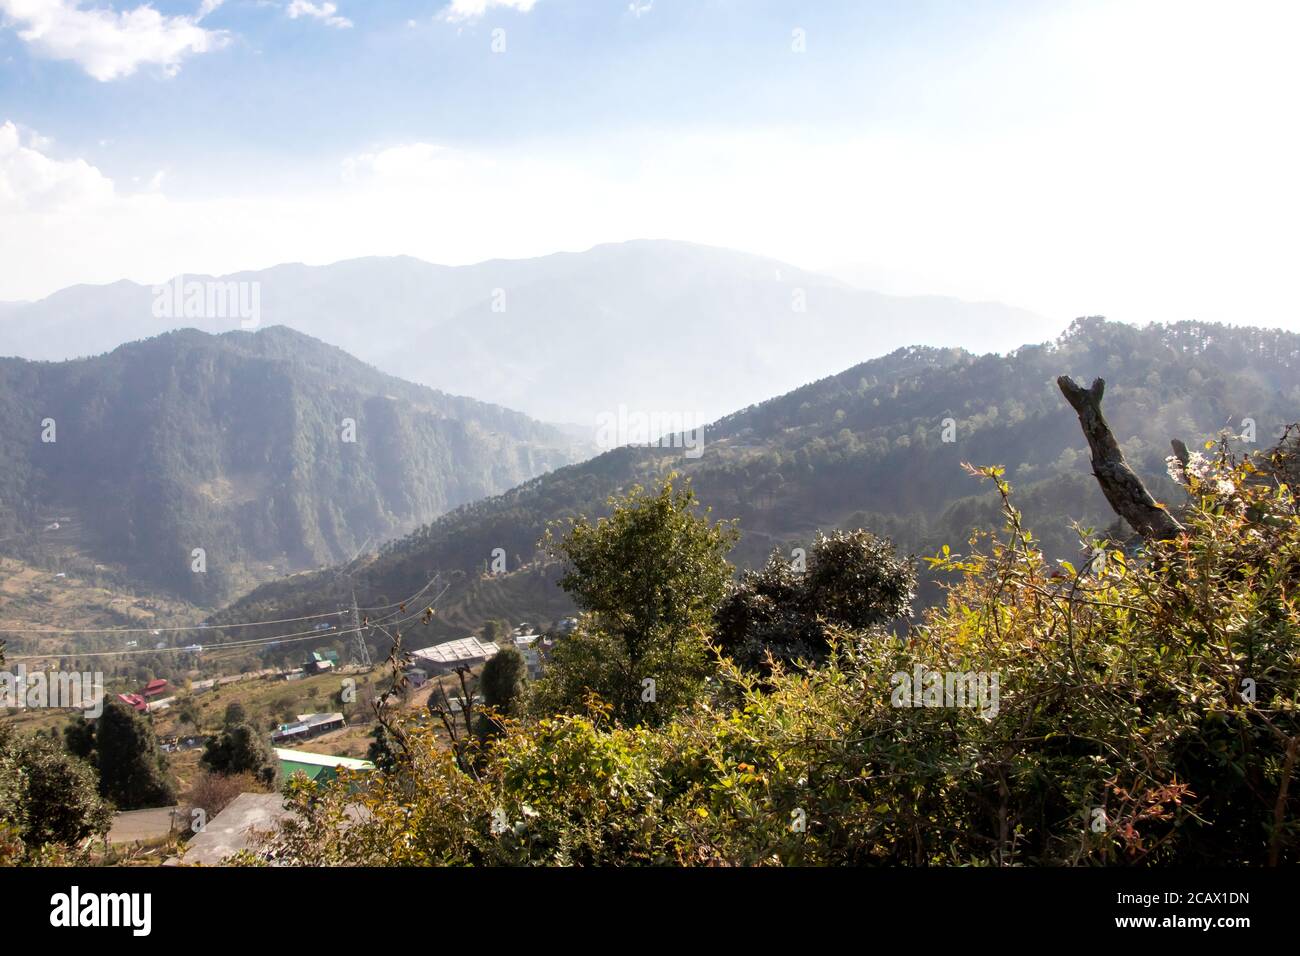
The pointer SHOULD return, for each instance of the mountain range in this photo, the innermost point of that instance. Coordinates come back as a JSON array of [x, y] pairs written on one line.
[[238, 443], [650, 325]]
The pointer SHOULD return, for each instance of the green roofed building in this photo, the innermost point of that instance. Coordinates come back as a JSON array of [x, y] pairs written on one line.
[[319, 767], [320, 661]]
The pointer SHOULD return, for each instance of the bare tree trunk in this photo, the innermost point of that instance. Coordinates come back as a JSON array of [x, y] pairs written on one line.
[[1121, 486]]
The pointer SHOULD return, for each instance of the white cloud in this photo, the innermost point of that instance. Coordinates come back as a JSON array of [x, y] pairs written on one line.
[[639, 9], [108, 44], [327, 13], [32, 182], [462, 10], [414, 162]]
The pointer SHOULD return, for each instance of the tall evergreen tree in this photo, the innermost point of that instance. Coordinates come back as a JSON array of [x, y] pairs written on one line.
[[380, 752], [502, 680], [132, 770], [502, 685]]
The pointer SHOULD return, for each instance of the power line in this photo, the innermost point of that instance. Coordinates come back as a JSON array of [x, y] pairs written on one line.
[[204, 627], [159, 630], [290, 638]]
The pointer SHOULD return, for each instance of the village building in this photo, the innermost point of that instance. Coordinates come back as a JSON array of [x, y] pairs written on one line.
[[307, 726], [320, 661], [445, 658], [318, 767], [528, 647]]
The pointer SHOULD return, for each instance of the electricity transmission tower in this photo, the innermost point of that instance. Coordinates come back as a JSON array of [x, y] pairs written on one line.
[[363, 650]]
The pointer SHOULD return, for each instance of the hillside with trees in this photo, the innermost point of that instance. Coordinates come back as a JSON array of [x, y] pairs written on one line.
[[877, 447], [270, 451]]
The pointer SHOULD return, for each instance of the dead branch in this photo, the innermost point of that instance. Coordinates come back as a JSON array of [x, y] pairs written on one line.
[[1119, 483]]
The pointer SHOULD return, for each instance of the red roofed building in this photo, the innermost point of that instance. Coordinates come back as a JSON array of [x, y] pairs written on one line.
[[134, 701], [154, 688]]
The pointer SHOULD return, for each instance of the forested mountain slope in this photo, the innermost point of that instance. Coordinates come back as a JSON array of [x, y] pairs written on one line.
[[866, 448], [239, 445]]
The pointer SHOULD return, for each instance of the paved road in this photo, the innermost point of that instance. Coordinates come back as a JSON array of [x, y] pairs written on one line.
[[133, 825]]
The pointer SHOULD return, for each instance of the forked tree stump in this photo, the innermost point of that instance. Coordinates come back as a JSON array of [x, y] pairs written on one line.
[[1119, 483]]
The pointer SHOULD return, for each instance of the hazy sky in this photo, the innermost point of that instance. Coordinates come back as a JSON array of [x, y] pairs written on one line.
[[1136, 159]]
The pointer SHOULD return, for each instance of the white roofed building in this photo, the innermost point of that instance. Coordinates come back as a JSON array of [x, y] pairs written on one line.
[[445, 658]]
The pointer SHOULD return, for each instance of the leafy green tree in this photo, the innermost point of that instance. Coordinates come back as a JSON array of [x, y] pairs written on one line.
[[52, 797], [853, 580], [240, 748], [649, 577], [132, 769], [591, 662]]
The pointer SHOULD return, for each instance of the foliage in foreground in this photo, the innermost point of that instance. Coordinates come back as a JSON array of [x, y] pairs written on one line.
[[49, 801], [1141, 709]]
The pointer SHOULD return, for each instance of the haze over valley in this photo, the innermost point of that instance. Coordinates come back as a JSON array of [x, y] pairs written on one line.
[[646, 322]]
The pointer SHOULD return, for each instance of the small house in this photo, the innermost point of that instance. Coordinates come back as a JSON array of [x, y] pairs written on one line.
[[318, 767], [135, 702], [318, 663], [307, 726], [527, 645]]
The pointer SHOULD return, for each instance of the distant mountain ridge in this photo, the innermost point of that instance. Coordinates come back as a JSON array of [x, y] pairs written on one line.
[[695, 329], [867, 448], [269, 451]]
